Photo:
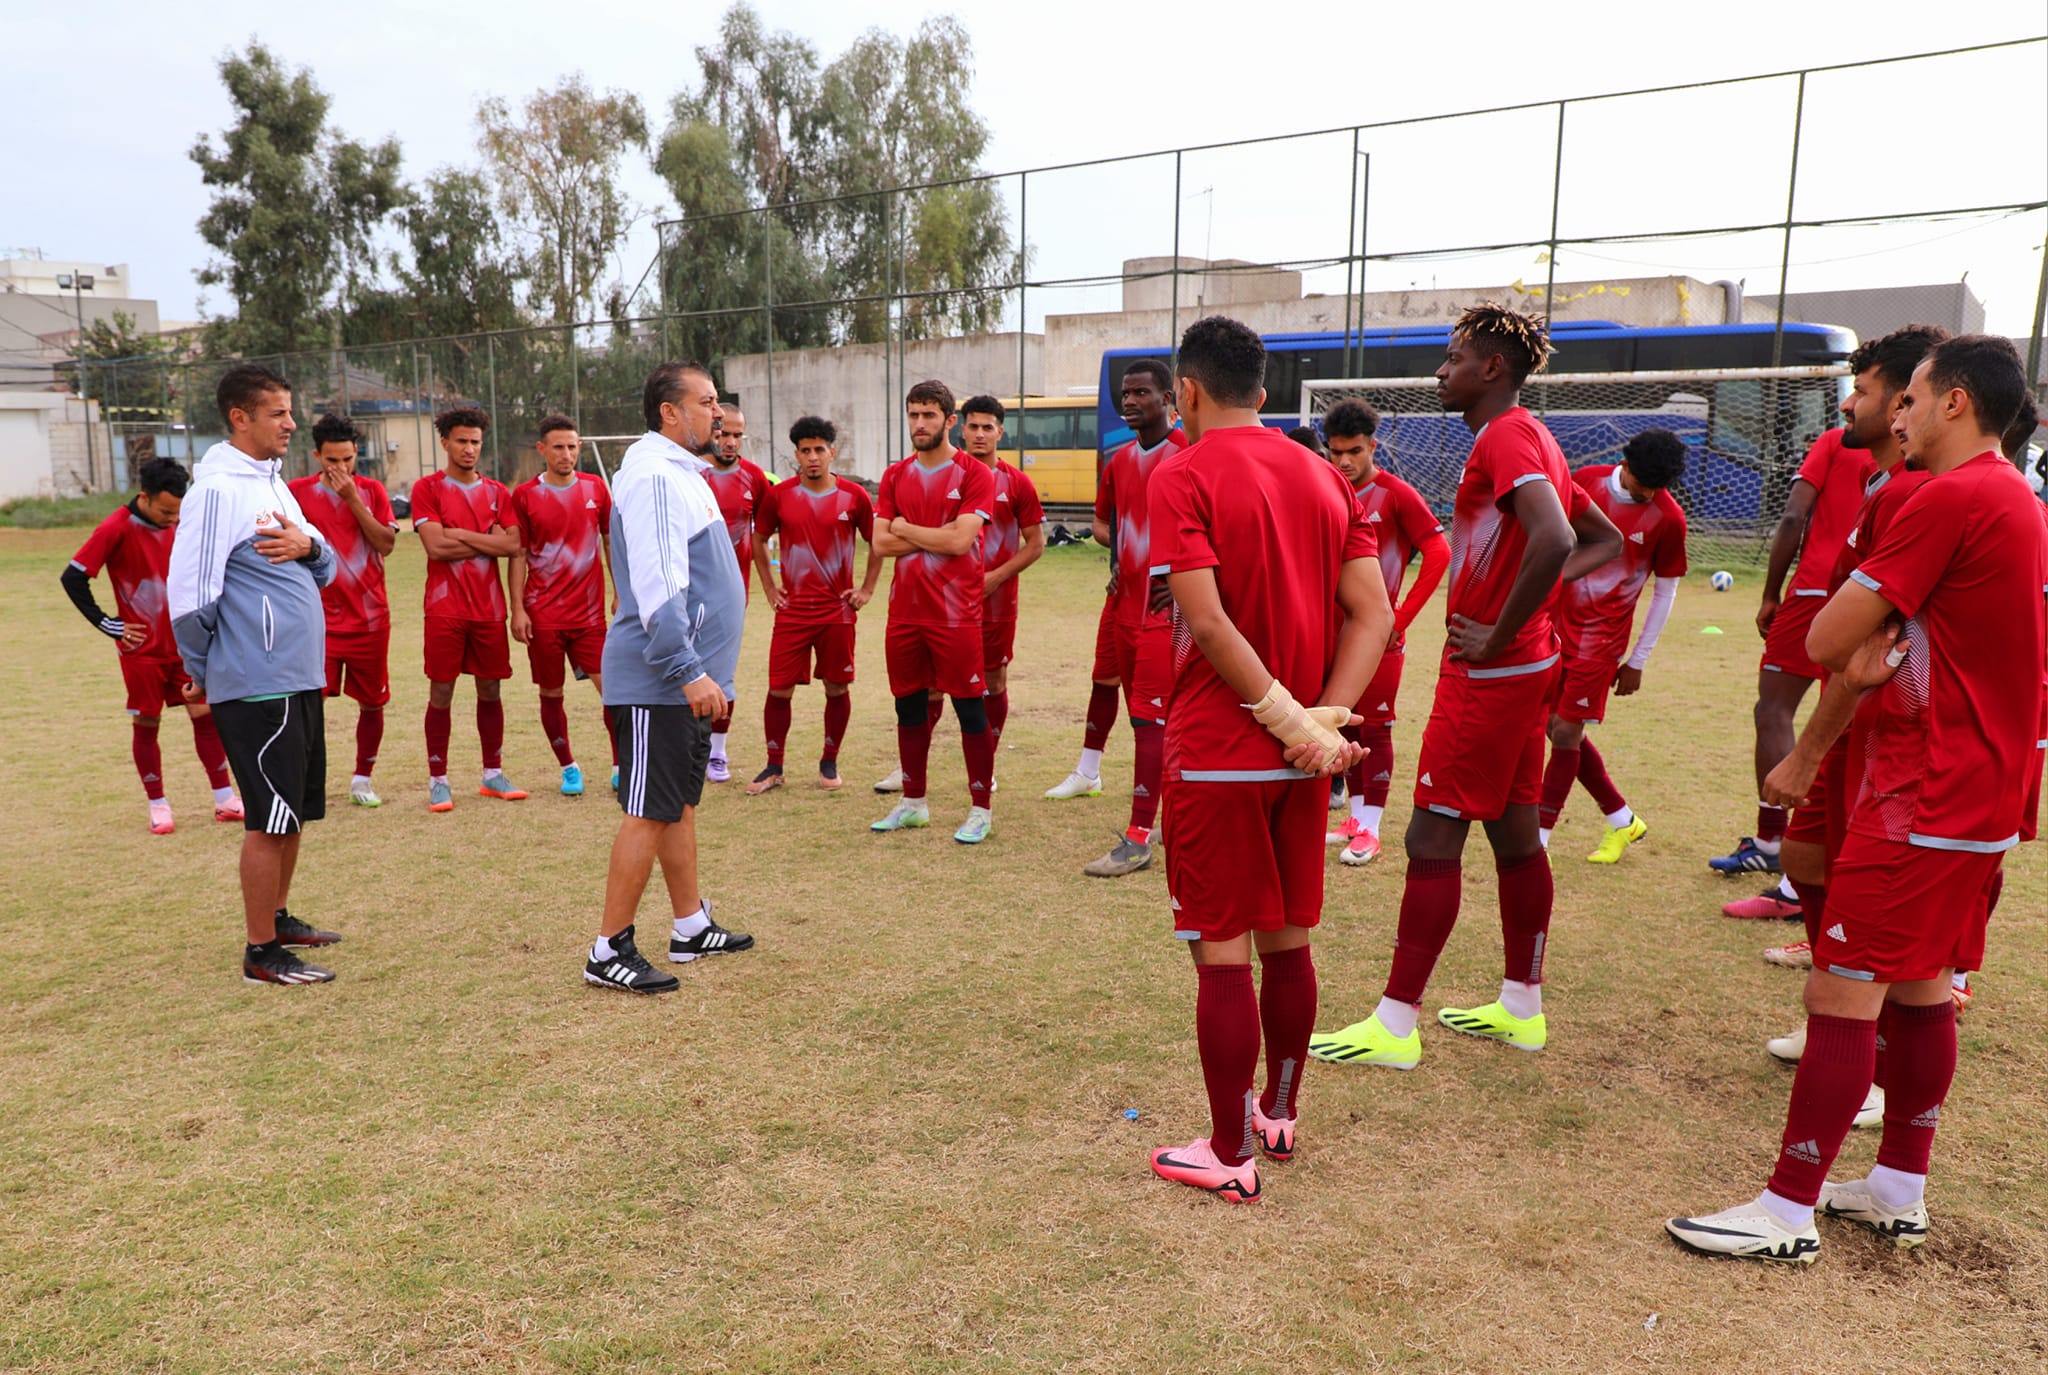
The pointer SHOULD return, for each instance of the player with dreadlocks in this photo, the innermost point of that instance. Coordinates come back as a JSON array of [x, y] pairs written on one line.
[[1519, 525]]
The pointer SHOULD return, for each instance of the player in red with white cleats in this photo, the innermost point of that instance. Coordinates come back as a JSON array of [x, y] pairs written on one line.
[[739, 484]]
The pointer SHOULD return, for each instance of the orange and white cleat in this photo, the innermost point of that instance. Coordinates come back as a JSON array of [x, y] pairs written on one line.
[[1196, 1165], [230, 810], [1346, 833], [1275, 1134], [160, 822], [1797, 955], [1363, 849]]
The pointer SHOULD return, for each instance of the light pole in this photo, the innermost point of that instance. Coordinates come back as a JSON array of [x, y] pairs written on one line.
[[76, 282]]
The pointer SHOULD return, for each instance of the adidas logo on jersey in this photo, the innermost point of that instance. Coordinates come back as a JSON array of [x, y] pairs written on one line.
[[1635, 537], [590, 503], [1808, 1151], [953, 495], [1836, 933], [844, 516], [1373, 519], [1002, 496]]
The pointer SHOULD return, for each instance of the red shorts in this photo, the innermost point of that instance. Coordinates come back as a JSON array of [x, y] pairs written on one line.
[[1582, 688], [454, 648], [934, 658], [360, 665], [998, 644], [1144, 665], [1383, 692], [1245, 856], [1899, 912], [1482, 750], [153, 684], [1824, 820], [1105, 644], [792, 647], [1785, 646], [2030, 814], [581, 646]]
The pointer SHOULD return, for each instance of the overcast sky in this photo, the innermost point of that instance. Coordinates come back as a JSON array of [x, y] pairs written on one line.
[[101, 174]]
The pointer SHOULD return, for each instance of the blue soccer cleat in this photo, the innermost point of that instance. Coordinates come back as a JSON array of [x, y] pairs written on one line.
[[1747, 859]]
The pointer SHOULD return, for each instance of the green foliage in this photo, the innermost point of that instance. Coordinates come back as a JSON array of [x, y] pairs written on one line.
[[60, 513], [456, 277]]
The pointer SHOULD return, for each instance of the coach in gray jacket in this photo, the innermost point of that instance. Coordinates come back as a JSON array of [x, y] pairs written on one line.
[[669, 659]]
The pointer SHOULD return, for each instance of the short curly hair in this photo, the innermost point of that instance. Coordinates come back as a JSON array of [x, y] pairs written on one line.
[[1520, 341], [1655, 458], [457, 417], [335, 429]]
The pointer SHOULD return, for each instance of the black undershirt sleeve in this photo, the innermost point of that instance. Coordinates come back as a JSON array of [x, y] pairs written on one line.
[[79, 586]]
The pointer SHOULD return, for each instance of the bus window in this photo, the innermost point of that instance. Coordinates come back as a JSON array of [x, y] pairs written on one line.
[[1047, 429]]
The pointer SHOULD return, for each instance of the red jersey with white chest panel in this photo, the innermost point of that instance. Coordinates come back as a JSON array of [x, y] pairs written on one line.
[[816, 530], [561, 529], [1488, 542], [1596, 614], [355, 602], [1838, 475], [1017, 506], [1121, 499], [1964, 560], [137, 557], [1401, 520], [463, 589], [931, 589], [1277, 524], [739, 490]]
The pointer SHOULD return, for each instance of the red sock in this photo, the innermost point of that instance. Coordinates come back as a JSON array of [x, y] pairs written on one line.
[[611, 733], [440, 724], [1813, 900], [149, 760], [369, 738], [1227, 1034], [1884, 1031], [1593, 773], [1146, 771], [980, 748], [490, 732], [1828, 1088], [1525, 900], [1770, 822], [913, 752], [1101, 716], [554, 720], [1354, 777], [1993, 892], [998, 704], [775, 717], [838, 711], [1922, 1064], [723, 725], [1557, 784], [1287, 1014], [1429, 909], [213, 756], [1377, 768]]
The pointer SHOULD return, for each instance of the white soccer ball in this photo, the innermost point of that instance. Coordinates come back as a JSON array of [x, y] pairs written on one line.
[[1722, 580]]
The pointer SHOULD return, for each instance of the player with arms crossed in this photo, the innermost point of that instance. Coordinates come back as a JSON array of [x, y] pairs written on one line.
[[1594, 617], [1278, 600], [1952, 735], [134, 546], [1404, 525], [1519, 525], [353, 515], [739, 484], [1013, 540], [815, 515], [564, 519]]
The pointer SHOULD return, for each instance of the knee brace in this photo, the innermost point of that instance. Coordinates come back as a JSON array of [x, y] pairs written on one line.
[[973, 714], [912, 709]]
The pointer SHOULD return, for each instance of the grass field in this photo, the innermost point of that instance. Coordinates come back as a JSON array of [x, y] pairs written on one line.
[[892, 1138]]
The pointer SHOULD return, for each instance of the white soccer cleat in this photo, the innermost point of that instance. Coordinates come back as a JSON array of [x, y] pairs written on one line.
[[1787, 1048], [1855, 1202], [892, 784], [1748, 1230], [1871, 1114], [1075, 784]]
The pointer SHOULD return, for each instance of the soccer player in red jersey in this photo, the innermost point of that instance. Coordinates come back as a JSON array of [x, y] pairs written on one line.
[[1594, 617], [816, 515], [739, 484], [353, 514], [1145, 396], [1404, 526], [557, 577], [1278, 600], [465, 524], [1519, 526], [1010, 543], [928, 517], [1952, 730], [134, 546]]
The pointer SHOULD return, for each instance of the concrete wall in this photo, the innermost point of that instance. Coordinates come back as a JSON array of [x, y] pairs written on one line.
[[1876, 311], [44, 329], [1205, 285], [43, 446]]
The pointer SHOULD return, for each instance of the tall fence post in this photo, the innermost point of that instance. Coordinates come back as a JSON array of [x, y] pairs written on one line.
[[2040, 317], [575, 381], [1785, 253], [1173, 318], [1023, 264], [418, 438], [497, 425], [768, 320], [1556, 199], [1364, 229], [1350, 258]]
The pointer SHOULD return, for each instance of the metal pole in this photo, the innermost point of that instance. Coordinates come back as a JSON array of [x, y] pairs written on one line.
[[1364, 222], [2040, 317], [1791, 193], [84, 390], [1023, 261], [418, 438], [768, 319], [1173, 325], [575, 381], [497, 427], [1556, 194], [1350, 247]]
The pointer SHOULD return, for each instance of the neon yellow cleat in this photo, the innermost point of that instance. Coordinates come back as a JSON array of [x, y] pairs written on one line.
[[1368, 1043], [1496, 1023], [1617, 839]]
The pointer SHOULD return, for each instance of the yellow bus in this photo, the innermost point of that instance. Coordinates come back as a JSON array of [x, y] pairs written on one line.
[[1054, 440]]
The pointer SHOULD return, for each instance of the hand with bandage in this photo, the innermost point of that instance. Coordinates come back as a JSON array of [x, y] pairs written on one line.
[[1309, 733]]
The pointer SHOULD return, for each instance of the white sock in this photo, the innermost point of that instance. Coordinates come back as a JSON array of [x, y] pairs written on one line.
[[1793, 1215], [718, 744], [1959, 980], [1896, 1188], [1520, 999], [358, 782], [686, 927], [1786, 890], [1397, 1017], [570, 765], [221, 795], [440, 778], [1090, 765], [1358, 809], [1620, 818], [1543, 834], [601, 948]]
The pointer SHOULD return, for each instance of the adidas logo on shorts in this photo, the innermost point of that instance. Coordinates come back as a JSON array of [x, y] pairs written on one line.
[[1808, 1151], [1583, 703], [1635, 537], [1426, 781], [1836, 933], [1381, 707]]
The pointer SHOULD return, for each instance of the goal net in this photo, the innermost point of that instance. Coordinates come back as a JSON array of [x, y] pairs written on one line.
[[1745, 432]]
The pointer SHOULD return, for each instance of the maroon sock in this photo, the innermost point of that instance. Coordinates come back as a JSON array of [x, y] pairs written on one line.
[[1429, 909], [1813, 900], [1101, 716], [1287, 1014], [1146, 770], [490, 732], [1770, 822], [369, 739], [1227, 1034], [213, 756], [1884, 1031], [998, 704], [1922, 1064], [1992, 894], [440, 724], [775, 717], [913, 753], [1828, 1088], [1525, 901], [1557, 784], [1377, 768], [980, 748], [1354, 777], [838, 711], [611, 732], [554, 722], [723, 725], [1593, 773], [149, 760]]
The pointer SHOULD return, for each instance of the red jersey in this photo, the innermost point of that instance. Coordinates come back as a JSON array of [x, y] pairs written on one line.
[[928, 589], [563, 529], [1886, 491], [1401, 520], [1122, 500], [1017, 507], [1838, 476], [464, 589], [1964, 560], [816, 530], [1277, 524], [1487, 541], [355, 602], [1596, 613], [739, 490], [137, 557]]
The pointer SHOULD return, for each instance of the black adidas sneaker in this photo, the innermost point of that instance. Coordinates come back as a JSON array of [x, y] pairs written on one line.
[[273, 964], [712, 940], [292, 931], [628, 970]]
